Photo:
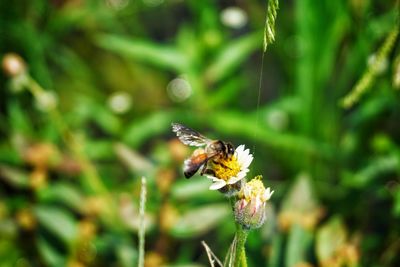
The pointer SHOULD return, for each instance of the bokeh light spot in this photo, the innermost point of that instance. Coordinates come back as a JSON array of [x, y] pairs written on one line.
[[234, 17], [120, 102], [179, 90]]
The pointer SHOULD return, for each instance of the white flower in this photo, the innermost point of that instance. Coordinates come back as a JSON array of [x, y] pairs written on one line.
[[250, 207], [232, 170]]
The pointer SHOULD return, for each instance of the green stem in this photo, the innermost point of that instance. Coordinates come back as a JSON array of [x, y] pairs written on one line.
[[143, 192], [240, 252], [241, 236]]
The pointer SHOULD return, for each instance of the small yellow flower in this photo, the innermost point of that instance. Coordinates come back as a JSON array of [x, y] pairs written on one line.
[[250, 208], [227, 168], [255, 189], [231, 170]]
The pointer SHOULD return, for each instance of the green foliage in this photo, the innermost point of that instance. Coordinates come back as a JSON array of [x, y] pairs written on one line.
[[89, 112]]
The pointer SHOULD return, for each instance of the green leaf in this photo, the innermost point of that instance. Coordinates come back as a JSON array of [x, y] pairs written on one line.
[[154, 124], [9, 252], [372, 170], [127, 254], [8, 229], [20, 123], [57, 221], [98, 149], [274, 260], [396, 207], [184, 189], [136, 162], [159, 55], [49, 254], [232, 56], [230, 122], [299, 242], [10, 154], [14, 177], [105, 119], [227, 92], [198, 221], [64, 193]]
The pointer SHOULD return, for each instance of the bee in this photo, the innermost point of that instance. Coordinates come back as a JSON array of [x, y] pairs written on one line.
[[210, 150]]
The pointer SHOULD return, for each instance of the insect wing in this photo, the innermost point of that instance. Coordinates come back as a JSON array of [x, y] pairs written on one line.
[[188, 136]]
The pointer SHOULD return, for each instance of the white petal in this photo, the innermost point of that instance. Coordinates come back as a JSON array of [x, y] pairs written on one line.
[[213, 178], [246, 163], [242, 173], [239, 149], [267, 194], [218, 185], [249, 157], [234, 180], [246, 191], [245, 158], [240, 153]]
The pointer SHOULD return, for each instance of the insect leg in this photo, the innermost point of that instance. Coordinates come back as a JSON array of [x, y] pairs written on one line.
[[221, 164], [204, 168], [210, 172]]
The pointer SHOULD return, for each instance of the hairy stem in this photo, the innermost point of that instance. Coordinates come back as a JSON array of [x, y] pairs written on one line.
[[240, 259], [240, 252], [143, 192]]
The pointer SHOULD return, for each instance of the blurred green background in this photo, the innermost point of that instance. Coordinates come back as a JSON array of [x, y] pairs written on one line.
[[88, 92]]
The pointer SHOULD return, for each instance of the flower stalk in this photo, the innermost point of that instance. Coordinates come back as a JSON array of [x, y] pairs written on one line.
[[143, 193], [240, 251], [376, 67]]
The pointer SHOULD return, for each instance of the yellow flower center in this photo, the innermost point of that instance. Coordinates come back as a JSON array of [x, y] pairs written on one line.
[[253, 189], [226, 168]]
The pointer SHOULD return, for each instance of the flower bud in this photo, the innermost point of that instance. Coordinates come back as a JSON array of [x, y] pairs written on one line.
[[250, 207], [377, 64], [13, 65], [46, 101], [250, 214]]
